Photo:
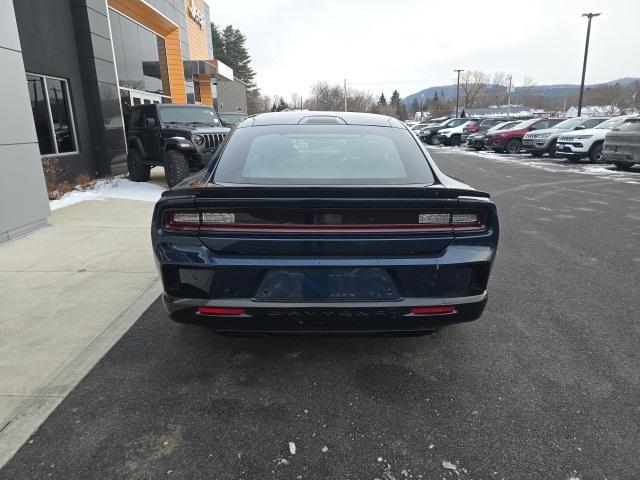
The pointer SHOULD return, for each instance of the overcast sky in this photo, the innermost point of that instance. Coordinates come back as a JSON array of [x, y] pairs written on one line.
[[413, 44]]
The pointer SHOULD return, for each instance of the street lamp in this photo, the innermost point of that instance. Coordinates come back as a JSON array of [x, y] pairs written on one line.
[[458, 90], [586, 52]]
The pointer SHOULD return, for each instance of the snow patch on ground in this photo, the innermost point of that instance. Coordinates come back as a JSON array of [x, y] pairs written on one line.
[[117, 187]]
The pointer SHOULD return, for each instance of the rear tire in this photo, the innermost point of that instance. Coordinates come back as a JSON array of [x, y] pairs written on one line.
[[138, 171], [595, 153], [434, 140], [623, 165], [176, 167], [513, 146], [552, 150]]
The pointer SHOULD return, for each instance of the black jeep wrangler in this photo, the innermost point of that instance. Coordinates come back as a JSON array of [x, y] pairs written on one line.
[[181, 138]]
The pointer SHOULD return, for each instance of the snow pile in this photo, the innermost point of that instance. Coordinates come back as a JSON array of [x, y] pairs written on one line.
[[113, 188]]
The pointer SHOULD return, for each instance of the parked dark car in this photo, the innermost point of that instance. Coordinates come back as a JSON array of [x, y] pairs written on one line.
[[622, 145], [181, 138], [476, 140], [479, 126], [231, 119], [510, 141], [316, 222], [429, 134], [543, 141]]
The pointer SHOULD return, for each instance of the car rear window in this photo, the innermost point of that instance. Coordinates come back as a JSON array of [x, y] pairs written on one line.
[[629, 126], [321, 155]]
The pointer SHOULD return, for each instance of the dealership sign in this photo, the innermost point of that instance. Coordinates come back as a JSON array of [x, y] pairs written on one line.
[[196, 14]]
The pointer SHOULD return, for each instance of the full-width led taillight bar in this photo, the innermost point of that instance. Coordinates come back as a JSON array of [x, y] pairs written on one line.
[[323, 222]]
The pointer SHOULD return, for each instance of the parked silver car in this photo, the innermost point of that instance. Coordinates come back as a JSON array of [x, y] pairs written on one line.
[[539, 142], [622, 145]]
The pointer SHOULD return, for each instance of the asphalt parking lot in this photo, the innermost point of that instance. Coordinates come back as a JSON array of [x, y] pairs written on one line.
[[545, 386]]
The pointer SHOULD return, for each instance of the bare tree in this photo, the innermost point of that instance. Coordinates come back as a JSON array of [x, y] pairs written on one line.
[[325, 96], [472, 82], [498, 88]]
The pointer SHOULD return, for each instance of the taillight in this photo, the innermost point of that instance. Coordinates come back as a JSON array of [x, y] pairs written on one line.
[[323, 222], [182, 221], [458, 221], [439, 310], [221, 311]]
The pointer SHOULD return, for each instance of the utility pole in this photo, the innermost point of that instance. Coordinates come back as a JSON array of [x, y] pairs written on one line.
[[345, 94], [509, 98], [584, 63], [458, 91]]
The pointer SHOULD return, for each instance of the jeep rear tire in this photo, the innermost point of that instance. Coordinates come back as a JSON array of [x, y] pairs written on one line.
[[138, 171], [176, 167]]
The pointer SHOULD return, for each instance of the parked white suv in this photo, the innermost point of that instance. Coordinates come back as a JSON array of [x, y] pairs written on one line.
[[453, 136], [587, 143]]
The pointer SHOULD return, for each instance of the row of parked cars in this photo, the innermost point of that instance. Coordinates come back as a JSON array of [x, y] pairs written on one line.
[[598, 139]]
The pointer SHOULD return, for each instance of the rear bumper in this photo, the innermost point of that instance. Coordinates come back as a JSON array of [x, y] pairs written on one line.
[[621, 157], [372, 318]]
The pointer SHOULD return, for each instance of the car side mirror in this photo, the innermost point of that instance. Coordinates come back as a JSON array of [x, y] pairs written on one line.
[[149, 123]]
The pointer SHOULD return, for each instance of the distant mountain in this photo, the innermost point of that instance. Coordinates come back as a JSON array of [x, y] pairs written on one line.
[[555, 92]]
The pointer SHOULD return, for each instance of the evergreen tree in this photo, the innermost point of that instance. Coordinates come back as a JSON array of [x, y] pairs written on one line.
[[395, 103], [383, 100], [229, 47]]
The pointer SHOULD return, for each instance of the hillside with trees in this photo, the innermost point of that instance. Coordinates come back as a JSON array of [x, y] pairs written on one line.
[[479, 89]]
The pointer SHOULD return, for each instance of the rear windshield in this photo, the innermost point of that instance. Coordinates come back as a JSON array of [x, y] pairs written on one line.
[[629, 126], [322, 155]]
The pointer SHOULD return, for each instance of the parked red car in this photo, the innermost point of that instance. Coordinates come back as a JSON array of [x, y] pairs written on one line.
[[510, 141]]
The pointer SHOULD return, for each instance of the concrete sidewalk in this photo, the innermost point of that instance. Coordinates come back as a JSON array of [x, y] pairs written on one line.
[[69, 292]]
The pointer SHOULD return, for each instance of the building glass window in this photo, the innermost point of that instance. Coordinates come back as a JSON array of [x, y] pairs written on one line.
[[140, 56], [51, 107]]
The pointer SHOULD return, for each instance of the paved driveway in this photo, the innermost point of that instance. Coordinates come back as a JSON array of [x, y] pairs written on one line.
[[544, 386]]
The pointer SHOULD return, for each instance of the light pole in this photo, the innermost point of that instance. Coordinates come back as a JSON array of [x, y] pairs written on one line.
[[345, 94], [458, 90], [421, 106], [586, 52], [509, 97]]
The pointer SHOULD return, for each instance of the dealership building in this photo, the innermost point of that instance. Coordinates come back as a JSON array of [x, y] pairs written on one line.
[[72, 71]]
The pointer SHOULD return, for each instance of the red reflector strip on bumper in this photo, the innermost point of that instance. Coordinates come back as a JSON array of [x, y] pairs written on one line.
[[220, 311], [441, 310]]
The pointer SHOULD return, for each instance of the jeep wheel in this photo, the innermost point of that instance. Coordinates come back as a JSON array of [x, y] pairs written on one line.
[[138, 171], [623, 165], [455, 141], [513, 146], [595, 153], [435, 140], [176, 167], [552, 150]]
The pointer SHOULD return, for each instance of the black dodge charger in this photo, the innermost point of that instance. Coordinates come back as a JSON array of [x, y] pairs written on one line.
[[324, 222]]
